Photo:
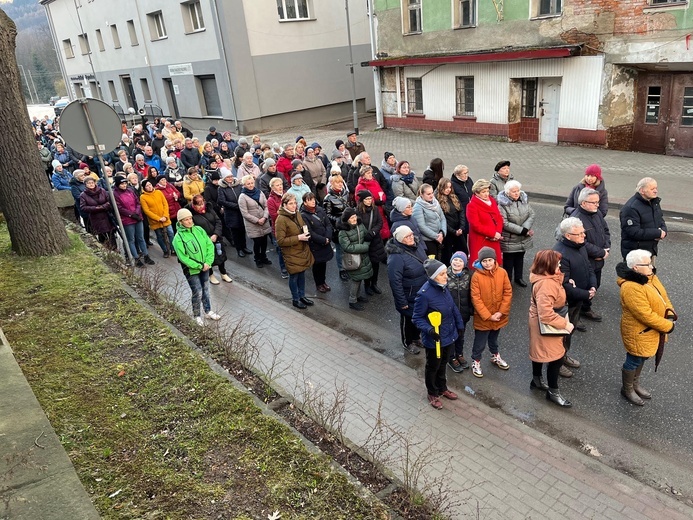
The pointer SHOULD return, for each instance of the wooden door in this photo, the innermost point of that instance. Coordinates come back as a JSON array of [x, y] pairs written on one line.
[[653, 97], [680, 133]]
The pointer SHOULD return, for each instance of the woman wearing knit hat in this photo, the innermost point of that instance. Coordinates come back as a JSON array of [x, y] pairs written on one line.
[[374, 224], [336, 201], [492, 295], [406, 275], [195, 253], [434, 296], [592, 179], [459, 284], [485, 221], [352, 239]]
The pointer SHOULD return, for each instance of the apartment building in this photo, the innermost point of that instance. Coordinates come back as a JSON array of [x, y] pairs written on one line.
[[246, 64], [612, 73]]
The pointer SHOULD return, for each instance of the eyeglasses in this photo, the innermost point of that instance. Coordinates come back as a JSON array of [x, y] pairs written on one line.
[[581, 233], [591, 202], [644, 265]]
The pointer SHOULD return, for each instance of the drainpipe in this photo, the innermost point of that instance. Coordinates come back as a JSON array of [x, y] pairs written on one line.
[[226, 66], [376, 70]]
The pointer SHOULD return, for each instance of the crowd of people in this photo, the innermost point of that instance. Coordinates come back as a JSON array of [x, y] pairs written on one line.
[[453, 247]]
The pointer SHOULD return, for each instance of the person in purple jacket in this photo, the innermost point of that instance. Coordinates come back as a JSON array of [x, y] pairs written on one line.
[[128, 203]]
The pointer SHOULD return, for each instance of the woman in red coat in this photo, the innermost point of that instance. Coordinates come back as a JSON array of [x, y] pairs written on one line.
[[368, 183], [485, 221], [172, 195]]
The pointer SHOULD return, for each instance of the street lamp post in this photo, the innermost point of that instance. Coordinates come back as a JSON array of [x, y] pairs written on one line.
[[351, 69], [28, 87]]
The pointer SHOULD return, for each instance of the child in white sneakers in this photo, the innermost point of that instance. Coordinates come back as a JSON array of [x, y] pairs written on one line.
[[491, 296]]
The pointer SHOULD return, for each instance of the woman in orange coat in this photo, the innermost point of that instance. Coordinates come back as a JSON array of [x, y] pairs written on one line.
[[155, 208], [485, 221], [491, 296], [548, 294]]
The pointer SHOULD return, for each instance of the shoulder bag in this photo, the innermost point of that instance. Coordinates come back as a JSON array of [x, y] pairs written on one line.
[[550, 330]]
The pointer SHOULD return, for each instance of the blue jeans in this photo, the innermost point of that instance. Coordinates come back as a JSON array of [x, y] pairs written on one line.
[[480, 339], [135, 236], [199, 285], [282, 265], [297, 285], [338, 254], [165, 247], [633, 362], [459, 343]]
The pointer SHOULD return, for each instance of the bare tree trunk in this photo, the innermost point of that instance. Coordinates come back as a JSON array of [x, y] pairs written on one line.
[[33, 221]]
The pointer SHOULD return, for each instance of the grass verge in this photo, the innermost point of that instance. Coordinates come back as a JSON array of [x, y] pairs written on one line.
[[151, 430]]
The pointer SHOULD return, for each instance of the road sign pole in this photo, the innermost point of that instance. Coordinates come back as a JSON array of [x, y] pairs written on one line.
[[97, 148]]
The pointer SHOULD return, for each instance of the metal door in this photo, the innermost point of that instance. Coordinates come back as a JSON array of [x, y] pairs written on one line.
[[129, 92], [549, 101], [170, 93], [680, 131], [652, 102]]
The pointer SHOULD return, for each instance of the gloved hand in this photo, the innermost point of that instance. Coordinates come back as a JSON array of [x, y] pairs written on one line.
[[135, 216], [435, 336]]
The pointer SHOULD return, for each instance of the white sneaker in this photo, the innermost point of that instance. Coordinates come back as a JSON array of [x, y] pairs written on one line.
[[497, 360], [226, 278], [476, 369], [212, 316], [199, 321], [213, 280]]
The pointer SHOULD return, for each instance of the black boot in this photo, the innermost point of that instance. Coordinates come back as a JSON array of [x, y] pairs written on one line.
[[554, 394], [645, 394], [148, 260], [627, 391], [538, 383]]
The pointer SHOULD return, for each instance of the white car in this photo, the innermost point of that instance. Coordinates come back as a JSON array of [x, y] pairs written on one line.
[[60, 104]]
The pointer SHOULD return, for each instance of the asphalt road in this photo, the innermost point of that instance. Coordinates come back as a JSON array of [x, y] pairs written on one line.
[[652, 443]]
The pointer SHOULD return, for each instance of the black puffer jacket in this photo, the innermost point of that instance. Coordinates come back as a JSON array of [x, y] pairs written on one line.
[[335, 204], [463, 190], [598, 237], [320, 229], [373, 222], [460, 289], [641, 224], [406, 274], [209, 220], [576, 266], [228, 199]]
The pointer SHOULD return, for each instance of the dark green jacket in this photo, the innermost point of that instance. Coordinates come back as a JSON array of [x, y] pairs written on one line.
[[352, 239]]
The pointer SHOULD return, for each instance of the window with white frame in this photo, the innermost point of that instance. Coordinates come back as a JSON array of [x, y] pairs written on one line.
[[411, 16], [294, 9], [192, 17], [157, 28], [465, 13], [414, 96], [464, 95], [67, 49], [665, 2], [547, 7]]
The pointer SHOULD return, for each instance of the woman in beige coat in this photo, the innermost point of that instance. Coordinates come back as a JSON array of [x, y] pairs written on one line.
[[253, 205], [547, 295]]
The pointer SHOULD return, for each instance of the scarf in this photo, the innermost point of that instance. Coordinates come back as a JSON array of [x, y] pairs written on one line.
[[309, 210], [253, 194], [487, 202], [409, 178]]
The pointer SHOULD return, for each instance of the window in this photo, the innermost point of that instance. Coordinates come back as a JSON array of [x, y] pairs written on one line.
[[465, 15], [112, 90], [412, 16], [67, 49], [529, 97], [414, 96], [549, 7], [192, 17], [210, 95], [687, 111], [664, 2], [145, 90], [99, 40], [79, 91], [293, 9], [132, 33], [654, 99], [84, 44], [95, 90], [156, 25], [115, 36], [464, 96]]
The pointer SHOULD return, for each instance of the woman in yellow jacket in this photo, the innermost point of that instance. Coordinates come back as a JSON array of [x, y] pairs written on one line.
[[192, 184], [647, 315], [155, 208], [492, 295]]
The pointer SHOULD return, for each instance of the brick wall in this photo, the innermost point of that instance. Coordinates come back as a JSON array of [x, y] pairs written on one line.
[[458, 125], [529, 129], [629, 17]]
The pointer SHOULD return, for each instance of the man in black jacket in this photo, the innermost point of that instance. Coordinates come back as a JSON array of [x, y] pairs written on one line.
[[579, 281], [190, 156], [642, 222], [597, 240]]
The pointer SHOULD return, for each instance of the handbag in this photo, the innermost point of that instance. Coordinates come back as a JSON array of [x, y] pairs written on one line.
[[550, 330], [352, 261]]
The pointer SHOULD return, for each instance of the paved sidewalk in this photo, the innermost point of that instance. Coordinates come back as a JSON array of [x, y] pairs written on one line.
[[543, 169], [496, 463], [37, 479]]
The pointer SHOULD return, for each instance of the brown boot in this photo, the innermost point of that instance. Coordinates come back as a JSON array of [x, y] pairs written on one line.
[[636, 385], [627, 391]]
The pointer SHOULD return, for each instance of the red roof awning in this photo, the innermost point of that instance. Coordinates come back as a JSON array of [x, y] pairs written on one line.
[[524, 54]]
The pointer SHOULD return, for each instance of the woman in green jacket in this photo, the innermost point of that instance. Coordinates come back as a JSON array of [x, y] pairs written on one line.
[[352, 240], [195, 252]]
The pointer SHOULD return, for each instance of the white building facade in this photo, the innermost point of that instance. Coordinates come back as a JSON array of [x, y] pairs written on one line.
[[245, 64]]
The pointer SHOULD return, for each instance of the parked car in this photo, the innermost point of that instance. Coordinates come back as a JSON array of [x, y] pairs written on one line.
[[53, 100], [60, 104]]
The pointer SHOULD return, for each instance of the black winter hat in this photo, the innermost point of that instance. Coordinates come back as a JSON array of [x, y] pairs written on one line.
[[215, 176], [388, 155], [364, 194], [501, 164], [348, 213], [119, 179]]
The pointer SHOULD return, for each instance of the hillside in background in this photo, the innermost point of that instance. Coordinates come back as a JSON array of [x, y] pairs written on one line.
[[35, 50]]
